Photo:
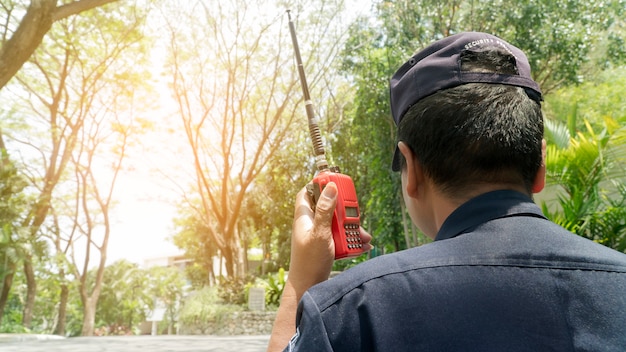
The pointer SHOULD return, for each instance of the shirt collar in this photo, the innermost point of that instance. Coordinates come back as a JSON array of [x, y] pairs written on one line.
[[486, 207]]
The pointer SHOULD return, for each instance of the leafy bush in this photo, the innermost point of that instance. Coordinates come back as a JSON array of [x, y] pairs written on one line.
[[275, 285], [12, 323], [233, 290], [12, 319], [198, 275], [205, 306]]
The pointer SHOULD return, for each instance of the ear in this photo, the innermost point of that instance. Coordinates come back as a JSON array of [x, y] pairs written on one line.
[[412, 171], [540, 178]]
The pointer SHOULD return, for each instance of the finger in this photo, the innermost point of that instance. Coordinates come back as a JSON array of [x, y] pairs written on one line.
[[303, 204], [366, 240], [303, 219], [325, 207]]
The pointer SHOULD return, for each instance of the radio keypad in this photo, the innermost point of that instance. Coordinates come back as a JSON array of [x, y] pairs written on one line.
[[353, 236]]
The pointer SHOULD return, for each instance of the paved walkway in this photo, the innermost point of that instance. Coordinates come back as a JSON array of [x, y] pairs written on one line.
[[167, 343]]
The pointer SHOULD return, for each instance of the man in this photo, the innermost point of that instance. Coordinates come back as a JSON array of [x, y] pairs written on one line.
[[499, 276]]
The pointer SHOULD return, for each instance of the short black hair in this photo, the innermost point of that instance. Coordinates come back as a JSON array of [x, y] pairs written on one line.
[[477, 132]]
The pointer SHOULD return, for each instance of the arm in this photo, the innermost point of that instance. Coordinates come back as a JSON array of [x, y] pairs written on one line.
[[312, 256], [311, 242]]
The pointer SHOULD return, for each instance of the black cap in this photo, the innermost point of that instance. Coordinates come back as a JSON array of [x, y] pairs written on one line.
[[438, 66]]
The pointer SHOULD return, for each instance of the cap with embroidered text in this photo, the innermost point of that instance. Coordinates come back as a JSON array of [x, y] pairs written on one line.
[[438, 66]]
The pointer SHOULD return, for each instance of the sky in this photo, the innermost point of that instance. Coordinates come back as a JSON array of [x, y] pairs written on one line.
[[142, 223], [148, 189]]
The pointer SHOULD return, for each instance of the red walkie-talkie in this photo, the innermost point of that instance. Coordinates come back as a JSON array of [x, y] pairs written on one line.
[[346, 218]]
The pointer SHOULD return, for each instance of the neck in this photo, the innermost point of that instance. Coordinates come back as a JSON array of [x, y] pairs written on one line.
[[443, 205]]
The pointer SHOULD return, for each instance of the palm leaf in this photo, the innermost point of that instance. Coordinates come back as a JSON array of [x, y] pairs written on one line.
[[556, 133]]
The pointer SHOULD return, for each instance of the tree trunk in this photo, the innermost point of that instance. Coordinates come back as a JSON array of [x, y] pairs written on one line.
[[6, 288], [31, 290], [233, 257], [229, 263], [65, 292], [89, 316], [242, 262], [212, 280], [244, 258]]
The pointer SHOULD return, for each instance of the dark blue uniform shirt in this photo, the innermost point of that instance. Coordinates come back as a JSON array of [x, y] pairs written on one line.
[[499, 277]]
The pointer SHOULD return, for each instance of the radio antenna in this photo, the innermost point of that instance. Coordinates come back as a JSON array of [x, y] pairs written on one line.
[[314, 130]]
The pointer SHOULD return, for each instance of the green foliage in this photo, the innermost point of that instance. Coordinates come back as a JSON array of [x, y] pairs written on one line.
[[74, 318], [592, 101], [129, 293], [194, 238], [124, 297], [167, 285], [197, 275], [12, 319], [268, 210], [46, 310], [62, 102], [205, 306], [608, 226], [565, 40], [46, 305], [589, 169], [589, 178], [12, 323], [232, 290], [275, 285], [12, 205]]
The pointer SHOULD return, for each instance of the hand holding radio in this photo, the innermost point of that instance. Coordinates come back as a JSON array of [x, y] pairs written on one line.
[[313, 248], [346, 221], [312, 256]]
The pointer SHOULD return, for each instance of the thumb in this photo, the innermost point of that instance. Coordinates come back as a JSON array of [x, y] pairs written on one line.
[[325, 207]]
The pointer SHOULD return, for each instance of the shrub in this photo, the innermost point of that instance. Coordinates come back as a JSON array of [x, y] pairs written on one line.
[[275, 285], [233, 290], [205, 306]]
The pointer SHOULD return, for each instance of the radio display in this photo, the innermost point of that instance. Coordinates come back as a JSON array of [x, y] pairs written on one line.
[[352, 212]]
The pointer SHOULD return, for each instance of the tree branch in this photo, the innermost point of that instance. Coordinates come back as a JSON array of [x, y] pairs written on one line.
[[26, 38], [32, 28], [77, 7]]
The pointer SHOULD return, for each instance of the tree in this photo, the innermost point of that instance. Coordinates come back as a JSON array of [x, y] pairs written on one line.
[[62, 264], [12, 204], [91, 221], [368, 137], [70, 83], [193, 236], [167, 286], [20, 44], [566, 41], [590, 102], [124, 298], [234, 83], [268, 208]]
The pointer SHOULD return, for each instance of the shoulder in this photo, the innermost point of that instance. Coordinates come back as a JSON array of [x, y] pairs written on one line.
[[529, 242], [373, 270]]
